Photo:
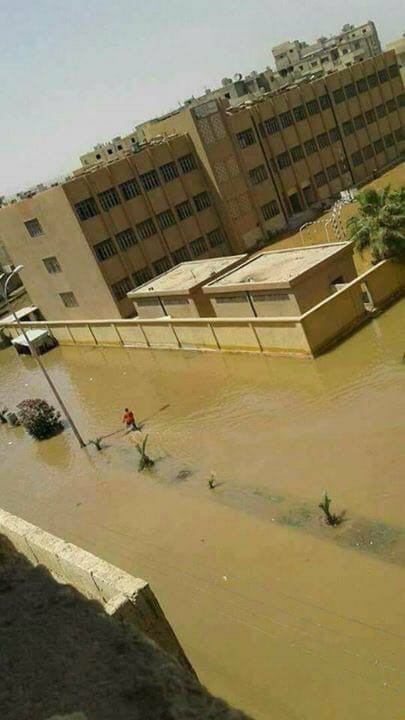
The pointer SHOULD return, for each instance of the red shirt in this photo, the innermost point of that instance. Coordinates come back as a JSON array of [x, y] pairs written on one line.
[[128, 417]]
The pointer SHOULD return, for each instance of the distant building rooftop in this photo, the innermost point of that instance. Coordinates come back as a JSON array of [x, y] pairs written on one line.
[[187, 276], [281, 268]]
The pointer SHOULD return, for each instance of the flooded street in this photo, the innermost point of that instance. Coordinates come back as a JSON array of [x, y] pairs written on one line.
[[279, 614]]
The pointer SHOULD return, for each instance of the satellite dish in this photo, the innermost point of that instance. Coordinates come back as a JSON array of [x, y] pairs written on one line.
[[237, 77]]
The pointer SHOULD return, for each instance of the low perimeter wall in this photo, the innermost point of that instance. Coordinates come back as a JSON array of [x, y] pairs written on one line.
[[121, 594], [302, 336]]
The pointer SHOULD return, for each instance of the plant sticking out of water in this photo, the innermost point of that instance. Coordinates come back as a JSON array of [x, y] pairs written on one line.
[[144, 461], [212, 481], [96, 443], [330, 518]]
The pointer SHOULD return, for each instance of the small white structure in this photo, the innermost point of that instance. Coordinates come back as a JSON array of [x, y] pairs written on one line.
[[177, 292], [41, 340]]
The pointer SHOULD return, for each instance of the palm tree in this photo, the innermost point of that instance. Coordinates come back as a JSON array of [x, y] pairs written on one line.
[[380, 223]]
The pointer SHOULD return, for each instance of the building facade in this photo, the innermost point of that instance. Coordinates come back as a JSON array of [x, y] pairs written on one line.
[[296, 59], [288, 152], [86, 243]]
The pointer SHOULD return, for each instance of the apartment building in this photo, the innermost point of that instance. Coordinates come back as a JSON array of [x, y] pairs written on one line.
[[296, 59], [86, 243], [399, 47], [112, 150], [289, 151]]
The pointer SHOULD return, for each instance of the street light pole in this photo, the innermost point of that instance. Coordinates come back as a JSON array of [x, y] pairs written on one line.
[[38, 358]]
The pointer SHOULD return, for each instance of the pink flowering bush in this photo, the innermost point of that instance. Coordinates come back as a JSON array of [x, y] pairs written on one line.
[[39, 419]]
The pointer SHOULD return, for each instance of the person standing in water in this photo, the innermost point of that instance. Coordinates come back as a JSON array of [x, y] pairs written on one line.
[[129, 420]]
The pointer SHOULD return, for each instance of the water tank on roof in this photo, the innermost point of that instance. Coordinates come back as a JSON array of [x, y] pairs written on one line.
[[226, 81], [237, 77]]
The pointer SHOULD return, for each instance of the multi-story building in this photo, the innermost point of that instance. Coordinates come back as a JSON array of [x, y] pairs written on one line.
[[399, 47], [112, 150], [296, 59], [287, 152], [87, 242]]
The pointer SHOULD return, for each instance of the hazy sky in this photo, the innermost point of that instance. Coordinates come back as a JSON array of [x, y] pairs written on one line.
[[78, 72]]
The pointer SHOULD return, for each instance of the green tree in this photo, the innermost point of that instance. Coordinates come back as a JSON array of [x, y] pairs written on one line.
[[380, 223]]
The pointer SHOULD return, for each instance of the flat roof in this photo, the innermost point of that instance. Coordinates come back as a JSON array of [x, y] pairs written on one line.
[[279, 268], [34, 336], [20, 314], [185, 277]]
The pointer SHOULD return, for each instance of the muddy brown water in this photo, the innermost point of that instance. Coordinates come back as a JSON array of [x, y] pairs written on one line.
[[279, 614]]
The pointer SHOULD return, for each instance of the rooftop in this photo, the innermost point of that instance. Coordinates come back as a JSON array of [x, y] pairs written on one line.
[[185, 277], [280, 268]]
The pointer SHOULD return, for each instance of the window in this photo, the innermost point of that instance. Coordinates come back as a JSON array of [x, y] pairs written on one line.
[[166, 219], [322, 140], [86, 209], [271, 126], [121, 288], [34, 227], [246, 138], [312, 107], [258, 175], [393, 71], [98, 156], [198, 246], [378, 146], [108, 199], [324, 102], [52, 265], [391, 105], [361, 85], [334, 135], [169, 171], [130, 189], [184, 210], [270, 210], [149, 180], [141, 276], [299, 113], [401, 100], [216, 237], [181, 255], [380, 110], [314, 64], [332, 172], [357, 158], [104, 250], [350, 91], [310, 146], [146, 228], [370, 116], [297, 153], [359, 122], [399, 134], [187, 163], [119, 147], [343, 166], [389, 140], [348, 128], [109, 151], [320, 179], [202, 201], [368, 152], [286, 119], [283, 160], [125, 239], [383, 75], [338, 96], [372, 80], [68, 299], [162, 265]]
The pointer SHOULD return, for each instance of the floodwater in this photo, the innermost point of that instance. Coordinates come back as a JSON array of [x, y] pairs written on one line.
[[281, 615]]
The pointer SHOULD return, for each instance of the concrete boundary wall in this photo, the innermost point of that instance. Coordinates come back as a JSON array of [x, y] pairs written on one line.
[[120, 594], [306, 335]]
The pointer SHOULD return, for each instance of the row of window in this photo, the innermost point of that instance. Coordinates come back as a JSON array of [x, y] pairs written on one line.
[[310, 146], [198, 247], [364, 84], [375, 148], [369, 117], [108, 199], [274, 124]]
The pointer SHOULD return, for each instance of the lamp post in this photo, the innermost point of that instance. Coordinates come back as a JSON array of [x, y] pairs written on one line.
[[37, 357]]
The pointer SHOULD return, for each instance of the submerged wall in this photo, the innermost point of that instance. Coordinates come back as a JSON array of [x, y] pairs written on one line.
[[305, 335]]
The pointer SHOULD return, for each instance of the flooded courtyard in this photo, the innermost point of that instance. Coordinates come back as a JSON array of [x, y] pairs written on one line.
[[279, 614]]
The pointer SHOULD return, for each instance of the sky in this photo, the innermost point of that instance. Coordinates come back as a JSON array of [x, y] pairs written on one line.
[[78, 72]]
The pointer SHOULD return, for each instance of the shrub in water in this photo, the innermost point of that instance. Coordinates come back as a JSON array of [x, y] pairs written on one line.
[[39, 419]]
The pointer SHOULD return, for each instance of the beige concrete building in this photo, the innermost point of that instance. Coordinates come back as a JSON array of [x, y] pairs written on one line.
[[111, 150], [86, 243], [296, 59], [399, 48], [274, 159], [178, 292], [282, 283]]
